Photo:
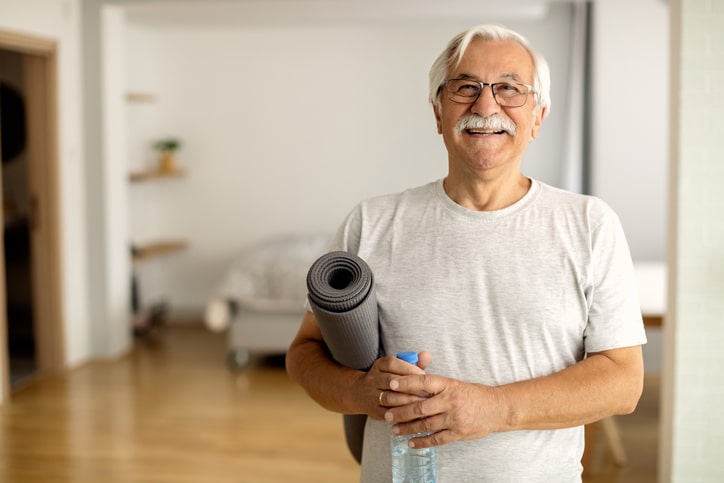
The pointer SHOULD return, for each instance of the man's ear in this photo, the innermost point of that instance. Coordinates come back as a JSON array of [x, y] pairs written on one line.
[[539, 115], [438, 122]]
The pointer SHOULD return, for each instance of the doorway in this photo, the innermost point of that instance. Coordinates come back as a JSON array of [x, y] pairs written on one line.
[[31, 329], [16, 221]]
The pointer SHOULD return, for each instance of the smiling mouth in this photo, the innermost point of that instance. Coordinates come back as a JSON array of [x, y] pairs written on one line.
[[484, 133]]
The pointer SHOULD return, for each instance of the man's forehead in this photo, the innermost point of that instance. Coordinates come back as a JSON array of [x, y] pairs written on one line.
[[512, 58]]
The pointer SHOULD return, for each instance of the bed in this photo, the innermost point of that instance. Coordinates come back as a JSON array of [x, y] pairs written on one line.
[[260, 299]]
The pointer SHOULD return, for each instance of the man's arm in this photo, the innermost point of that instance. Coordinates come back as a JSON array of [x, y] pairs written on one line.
[[338, 388], [605, 383]]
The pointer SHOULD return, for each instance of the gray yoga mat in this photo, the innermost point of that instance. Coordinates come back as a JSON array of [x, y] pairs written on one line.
[[342, 297]]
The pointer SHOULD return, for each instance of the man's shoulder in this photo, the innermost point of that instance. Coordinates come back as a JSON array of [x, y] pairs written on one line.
[[565, 206], [408, 196], [559, 197]]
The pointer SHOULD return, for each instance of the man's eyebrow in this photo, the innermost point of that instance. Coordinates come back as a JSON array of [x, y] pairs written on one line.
[[506, 75], [511, 75]]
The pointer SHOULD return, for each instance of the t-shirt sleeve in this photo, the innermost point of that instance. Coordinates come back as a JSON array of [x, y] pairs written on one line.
[[614, 318]]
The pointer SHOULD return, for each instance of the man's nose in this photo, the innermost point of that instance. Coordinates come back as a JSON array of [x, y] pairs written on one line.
[[485, 104]]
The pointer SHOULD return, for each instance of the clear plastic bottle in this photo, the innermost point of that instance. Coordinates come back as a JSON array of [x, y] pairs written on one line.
[[410, 465]]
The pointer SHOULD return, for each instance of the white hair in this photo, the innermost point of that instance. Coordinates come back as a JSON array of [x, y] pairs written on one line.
[[452, 55]]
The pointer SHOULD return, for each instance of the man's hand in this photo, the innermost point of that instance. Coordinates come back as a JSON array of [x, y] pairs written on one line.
[[374, 385], [453, 411]]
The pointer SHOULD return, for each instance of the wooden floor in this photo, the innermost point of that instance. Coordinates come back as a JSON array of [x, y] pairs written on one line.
[[172, 413]]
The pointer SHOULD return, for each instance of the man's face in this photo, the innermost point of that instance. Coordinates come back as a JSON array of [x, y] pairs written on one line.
[[485, 154]]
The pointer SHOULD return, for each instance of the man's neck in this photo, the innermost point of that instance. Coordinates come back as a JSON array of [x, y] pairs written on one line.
[[486, 194]]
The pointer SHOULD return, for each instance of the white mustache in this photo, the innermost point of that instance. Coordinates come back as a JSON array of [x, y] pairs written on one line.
[[495, 122]]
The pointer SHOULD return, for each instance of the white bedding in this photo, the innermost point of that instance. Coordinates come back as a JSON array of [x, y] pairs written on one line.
[[267, 277]]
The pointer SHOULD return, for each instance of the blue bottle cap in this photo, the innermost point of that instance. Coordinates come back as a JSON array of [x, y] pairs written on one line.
[[410, 357]]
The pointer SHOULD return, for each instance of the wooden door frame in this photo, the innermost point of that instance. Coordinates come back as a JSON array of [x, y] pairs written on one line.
[[40, 86]]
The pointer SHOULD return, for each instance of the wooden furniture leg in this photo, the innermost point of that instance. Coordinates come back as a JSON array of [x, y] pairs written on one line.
[[613, 437]]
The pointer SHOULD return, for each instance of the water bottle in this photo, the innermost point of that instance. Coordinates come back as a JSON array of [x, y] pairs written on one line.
[[410, 465]]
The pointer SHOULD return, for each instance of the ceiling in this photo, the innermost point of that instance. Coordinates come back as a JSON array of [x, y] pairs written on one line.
[[270, 12]]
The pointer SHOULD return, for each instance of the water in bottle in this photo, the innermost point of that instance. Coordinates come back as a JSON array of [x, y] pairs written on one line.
[[410, 465]]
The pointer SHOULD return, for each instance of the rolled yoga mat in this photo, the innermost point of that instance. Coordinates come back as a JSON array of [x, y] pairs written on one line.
[[342, 297]]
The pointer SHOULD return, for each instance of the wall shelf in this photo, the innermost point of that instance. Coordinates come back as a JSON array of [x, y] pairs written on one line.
[[148, 254], [147, 251], [139, 176], [140, 97]]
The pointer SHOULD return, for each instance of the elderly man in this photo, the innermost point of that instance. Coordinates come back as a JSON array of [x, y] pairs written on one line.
[[519, 296]]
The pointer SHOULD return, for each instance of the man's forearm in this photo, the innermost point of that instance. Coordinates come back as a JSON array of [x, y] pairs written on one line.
[[331, 385], [603, 384]]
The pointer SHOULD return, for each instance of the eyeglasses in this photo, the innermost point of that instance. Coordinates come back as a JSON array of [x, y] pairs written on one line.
[[506, 94]]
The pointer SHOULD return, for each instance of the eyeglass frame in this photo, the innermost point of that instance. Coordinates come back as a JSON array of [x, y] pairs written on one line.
[[492, 90]]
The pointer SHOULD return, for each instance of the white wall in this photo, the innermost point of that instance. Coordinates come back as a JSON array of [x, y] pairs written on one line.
[[115, 206], [692, 420], [286, 126], [59, 21], [630, 118]]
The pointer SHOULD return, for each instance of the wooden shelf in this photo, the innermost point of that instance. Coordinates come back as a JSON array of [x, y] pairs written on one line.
[[140, 97], [138, 176], [653, 320], [154, 249]]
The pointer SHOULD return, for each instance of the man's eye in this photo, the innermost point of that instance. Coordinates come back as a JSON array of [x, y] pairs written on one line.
[[509, 89], [467, 89]]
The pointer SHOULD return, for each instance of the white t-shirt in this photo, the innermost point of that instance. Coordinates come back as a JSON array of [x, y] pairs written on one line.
[[495, 297]]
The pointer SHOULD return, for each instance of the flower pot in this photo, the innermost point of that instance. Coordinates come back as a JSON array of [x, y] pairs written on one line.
[[167, 163]]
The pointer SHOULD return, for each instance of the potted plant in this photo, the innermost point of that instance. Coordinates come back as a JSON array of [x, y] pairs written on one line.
[[167, 147]]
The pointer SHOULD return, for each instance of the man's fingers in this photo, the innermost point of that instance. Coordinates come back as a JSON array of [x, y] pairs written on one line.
[[421, 384], [394, 399]]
